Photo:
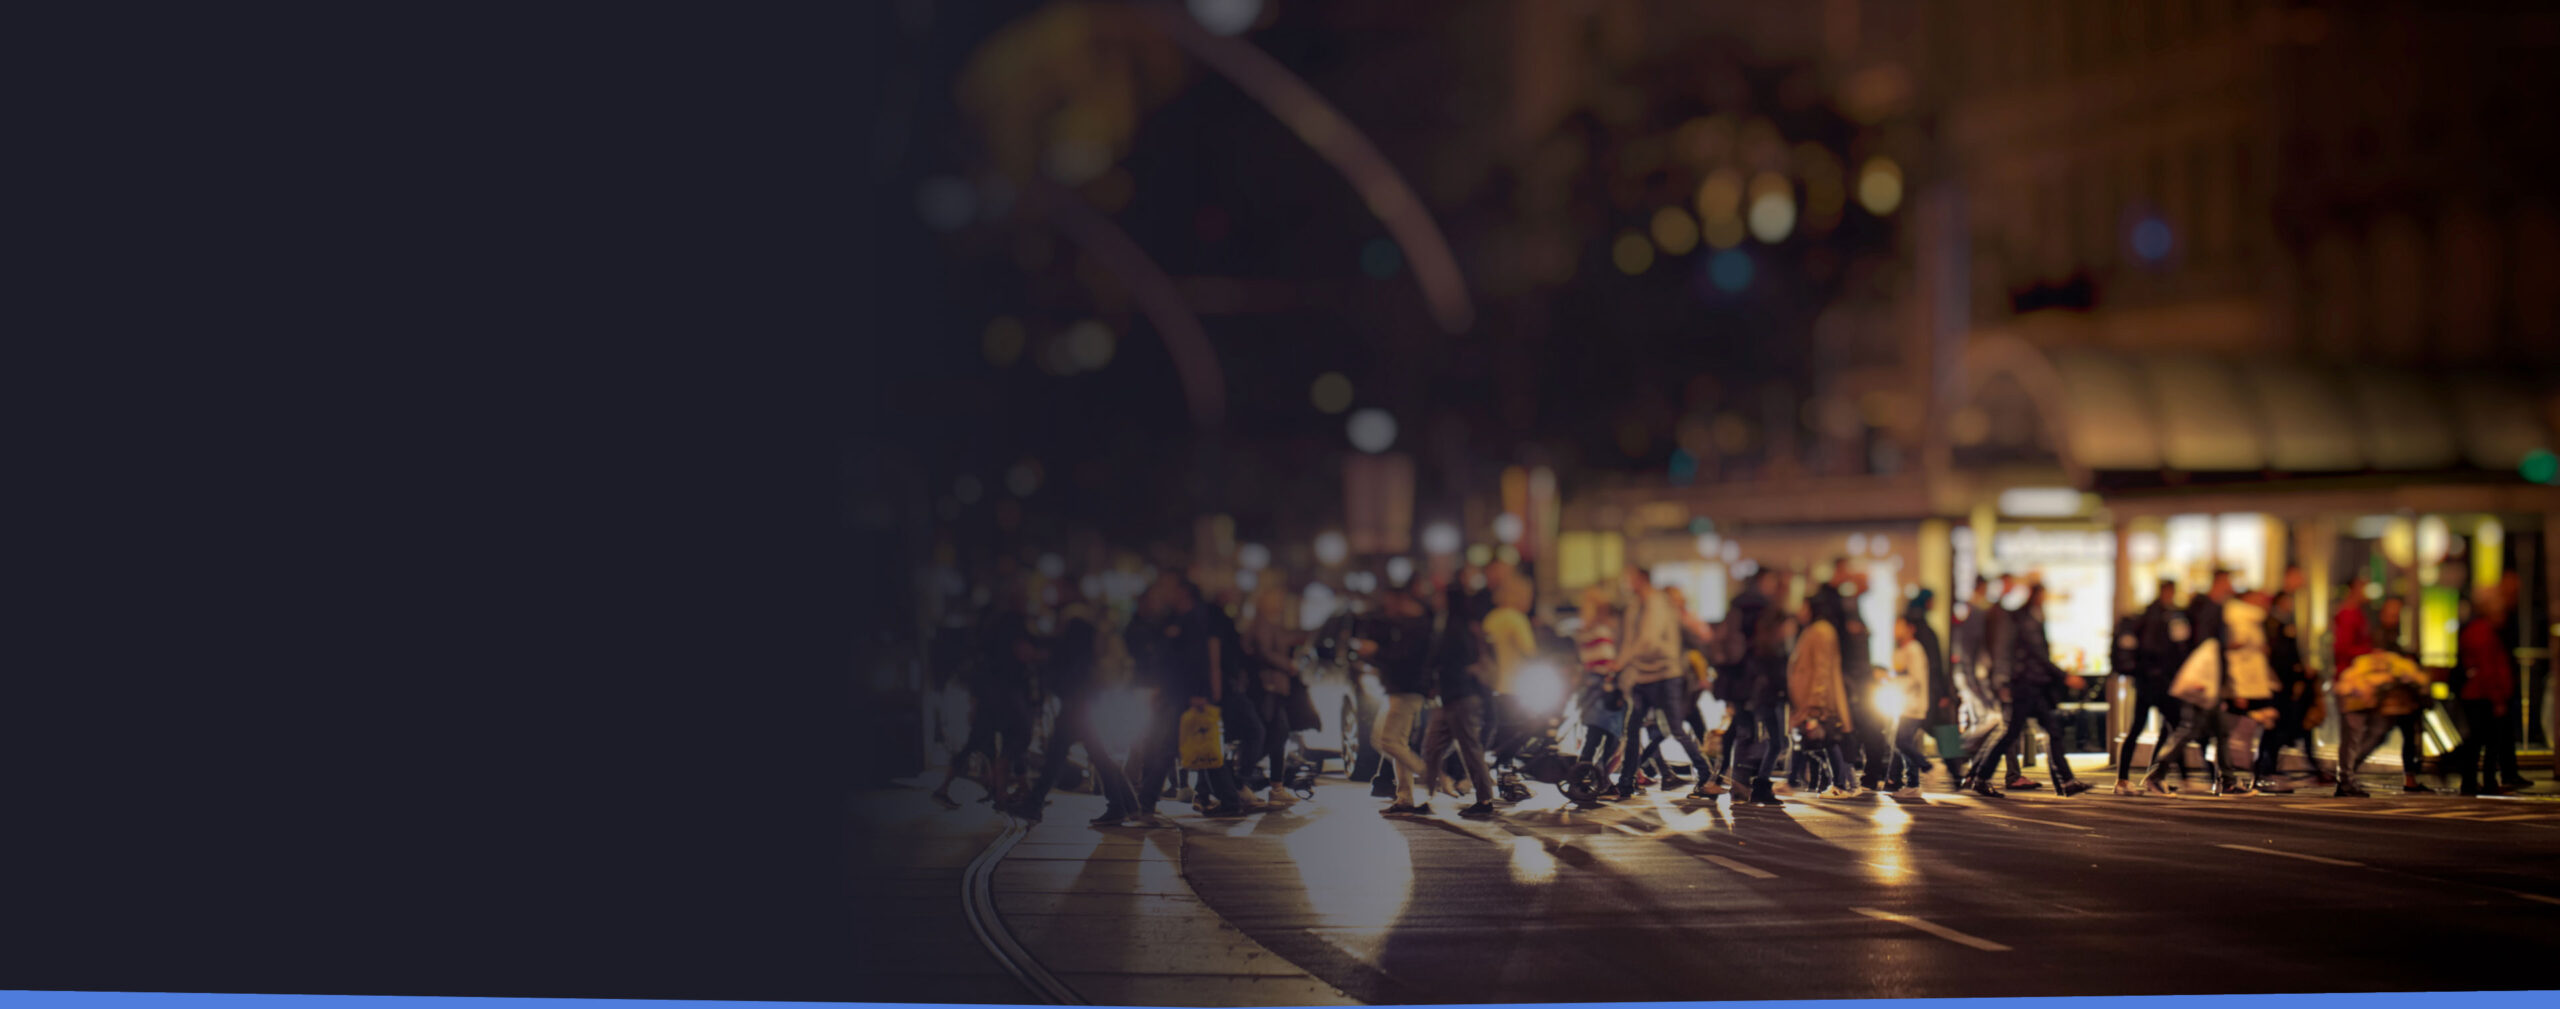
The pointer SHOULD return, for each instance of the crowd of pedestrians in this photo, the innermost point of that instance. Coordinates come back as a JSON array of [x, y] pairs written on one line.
[[1177, 693]]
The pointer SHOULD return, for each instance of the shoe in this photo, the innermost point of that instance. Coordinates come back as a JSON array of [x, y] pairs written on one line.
[[1281, 797], [2515, 784], [2125, 786], [2416, 788], [2236, 790], [1108, 818], [2349, 791], [2271, 786], [2021, 784], [1623, 794], [1837, 792], [1643, 778], [2156, 787], [1479, 811], [1982, 787], [1706, 790], [1229, 811], [2071, 788], [1400, 809], [1763, 796], [1907, 793]]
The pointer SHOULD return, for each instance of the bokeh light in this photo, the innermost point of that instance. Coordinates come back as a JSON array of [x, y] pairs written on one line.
[[1253, 556], [1880, 185], [2540, 466], [1730, 270], [1674, 230], [1507, 527], [1773, 208], [1724, 232], [1479, 554], [2151, 239], [1003, 341], [1632, 253], [1332, 548], [1331, 392], [1720, 196], [1089, 345], [1024, 478], [1226, 17], [1380, 258], [946, 203], [1441, 539], [1399, 571], [1372, 430]]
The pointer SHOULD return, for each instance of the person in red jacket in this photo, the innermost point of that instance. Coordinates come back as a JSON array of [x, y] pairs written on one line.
[[2488, 702]]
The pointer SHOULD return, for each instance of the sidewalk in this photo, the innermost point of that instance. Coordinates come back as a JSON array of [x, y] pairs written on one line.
[[1110, 914], [908, 857]]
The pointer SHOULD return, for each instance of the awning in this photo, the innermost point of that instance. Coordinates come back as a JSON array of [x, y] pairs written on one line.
[[2124, 411]]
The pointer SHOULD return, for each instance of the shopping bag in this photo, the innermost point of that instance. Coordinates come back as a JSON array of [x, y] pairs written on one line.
[[2199, 680]]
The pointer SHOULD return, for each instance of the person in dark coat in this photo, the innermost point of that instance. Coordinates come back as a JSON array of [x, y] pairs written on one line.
[[2297, 692], [1941, 721], [1760, 695], [2035, 692], [1068, 674], [2161, 639]]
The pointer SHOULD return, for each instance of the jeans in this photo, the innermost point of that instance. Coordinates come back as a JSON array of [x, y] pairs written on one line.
[[1905, 772], [1393, 738], [1460, 723], [1762, 726], [2288, 731], [1075, 726], [2021, 716], [2147, 702], [2359, 732], [2196, 724], [1660, 695]]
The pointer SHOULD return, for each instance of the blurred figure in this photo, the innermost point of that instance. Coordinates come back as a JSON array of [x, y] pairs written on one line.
[[1509, 635], [2000, 644], [1399, 646], [1909, 679], [2297, 702], [2160, 637], [1603, 707], [2411, 723], [2374, 687], [1271, 642], [2486, 757], [1651, 673], [1204, 754], [2034, 693], [1941, 719], [1177, 657], [1073, 676], [999, 686], [1237, 689], [1461, 665]]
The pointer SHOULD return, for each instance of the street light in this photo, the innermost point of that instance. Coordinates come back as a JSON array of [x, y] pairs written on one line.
[[1372, 430], [1332, 548]]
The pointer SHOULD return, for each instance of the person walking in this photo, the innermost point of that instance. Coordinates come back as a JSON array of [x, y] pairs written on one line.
[[2160, 639], [2035, 690], [999, 687], [1400, 648], [1650, 672], [2297, 703], [2486, 757], [1907, 681], [2223, 677], [1073, 675], [2374, 687], [1460, 662], [1177, 652], [1942, 720], [1271, 641], [2000, 644]]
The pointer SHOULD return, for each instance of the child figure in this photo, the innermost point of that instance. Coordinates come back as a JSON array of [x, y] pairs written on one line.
[[1204, 750]]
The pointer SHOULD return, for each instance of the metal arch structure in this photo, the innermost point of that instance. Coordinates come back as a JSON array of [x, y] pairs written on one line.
[[1204, 388], [1323, 127]]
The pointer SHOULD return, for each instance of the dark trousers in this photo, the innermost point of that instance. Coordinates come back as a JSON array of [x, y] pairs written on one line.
[[1151, 761], [2207, 724], [1242, 716], [1075, 727], [1220, 783], [2288, 732], [2413, 747], [1907, 756], [2020, 716], [1459, 722], [2147, 702], [1762, 728], [2488, 747], [2358, 733], [1647, 698], [1275, 737]]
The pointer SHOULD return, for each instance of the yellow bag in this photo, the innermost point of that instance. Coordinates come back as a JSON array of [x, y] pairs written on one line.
[[1204, 744]]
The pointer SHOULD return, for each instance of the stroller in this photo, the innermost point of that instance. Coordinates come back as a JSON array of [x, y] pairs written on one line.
[[1542, 753]]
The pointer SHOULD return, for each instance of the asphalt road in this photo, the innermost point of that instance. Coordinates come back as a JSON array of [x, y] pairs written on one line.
[[1863, 898]]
